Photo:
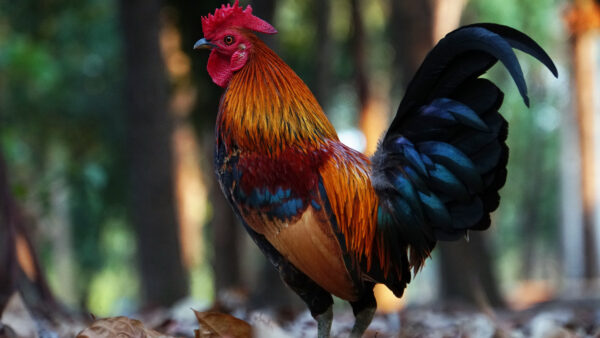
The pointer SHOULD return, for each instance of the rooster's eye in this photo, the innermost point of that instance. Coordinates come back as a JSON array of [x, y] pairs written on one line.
[[228, 40]]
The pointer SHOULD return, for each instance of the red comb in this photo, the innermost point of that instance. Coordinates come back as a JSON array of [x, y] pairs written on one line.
[[234, 16]]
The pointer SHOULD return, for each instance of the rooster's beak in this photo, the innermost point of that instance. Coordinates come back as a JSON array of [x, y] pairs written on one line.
[[204, 44]]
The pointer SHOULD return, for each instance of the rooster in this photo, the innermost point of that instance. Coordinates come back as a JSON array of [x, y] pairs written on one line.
[[331, 220]]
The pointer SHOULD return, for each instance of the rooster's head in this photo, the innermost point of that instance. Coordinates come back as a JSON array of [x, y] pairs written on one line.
[[228, 34]]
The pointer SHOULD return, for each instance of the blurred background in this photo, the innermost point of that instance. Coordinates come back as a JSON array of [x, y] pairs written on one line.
[[108, 201]]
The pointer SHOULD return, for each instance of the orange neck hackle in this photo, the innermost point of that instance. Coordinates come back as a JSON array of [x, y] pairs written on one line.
[[267, 107]]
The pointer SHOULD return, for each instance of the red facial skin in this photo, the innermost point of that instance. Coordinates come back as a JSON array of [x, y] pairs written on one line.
[[231, 54]]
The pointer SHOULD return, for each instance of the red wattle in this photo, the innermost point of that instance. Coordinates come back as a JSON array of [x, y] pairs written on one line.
[[219, 68]]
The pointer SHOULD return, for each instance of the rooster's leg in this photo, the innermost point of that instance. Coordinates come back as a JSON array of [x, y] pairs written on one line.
[[363, 309], [318, 300], [324, 321]]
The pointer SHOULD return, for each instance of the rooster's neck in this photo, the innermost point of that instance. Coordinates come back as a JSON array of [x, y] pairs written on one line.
[[268, 108]]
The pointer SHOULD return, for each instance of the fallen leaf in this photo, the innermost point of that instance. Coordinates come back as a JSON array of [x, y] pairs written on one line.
[[215, 324], [121, 327]]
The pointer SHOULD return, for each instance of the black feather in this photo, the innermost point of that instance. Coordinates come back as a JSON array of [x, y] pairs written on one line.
[[521, 42], [440, 165]]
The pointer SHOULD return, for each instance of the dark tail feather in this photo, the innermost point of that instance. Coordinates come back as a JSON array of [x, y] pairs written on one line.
[[440, 165], [521, 42], [467, 53]]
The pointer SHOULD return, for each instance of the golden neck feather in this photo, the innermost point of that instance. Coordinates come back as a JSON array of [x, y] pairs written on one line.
[[267, 107]]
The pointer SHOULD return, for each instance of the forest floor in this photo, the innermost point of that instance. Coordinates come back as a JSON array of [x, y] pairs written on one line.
[[547, 320], [555, 319]]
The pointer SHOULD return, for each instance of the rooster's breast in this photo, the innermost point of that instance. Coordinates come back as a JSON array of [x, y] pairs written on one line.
[[282, 198]]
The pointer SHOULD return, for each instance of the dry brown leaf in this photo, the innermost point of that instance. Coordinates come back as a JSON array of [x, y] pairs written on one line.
[[215, 324], [121, 327]]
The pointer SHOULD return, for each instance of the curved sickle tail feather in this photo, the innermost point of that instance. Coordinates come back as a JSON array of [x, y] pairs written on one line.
[[440, 165]]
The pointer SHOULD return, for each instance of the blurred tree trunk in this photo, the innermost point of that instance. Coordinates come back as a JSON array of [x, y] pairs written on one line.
[[360, 56], [415, 28], [373, 107], [188, 22], [412, 35], [467, 272], [584, 61], [8, 266], [532, 192], [572, 257], [20, 268], [584, 21], [324, 52], [466, 269], [153, 214]]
